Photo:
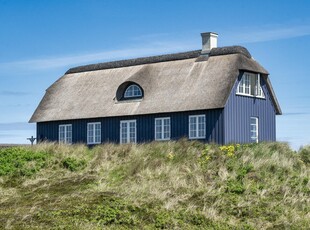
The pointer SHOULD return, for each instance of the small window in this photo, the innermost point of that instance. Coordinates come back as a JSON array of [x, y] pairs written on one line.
[[254, 129], [128, 133], [162, 128], [197, 127], [249, 85], [133, 91], [65, 134], [94, 133]]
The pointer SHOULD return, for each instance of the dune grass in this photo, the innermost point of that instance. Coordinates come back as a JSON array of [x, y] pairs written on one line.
[[159, 185]]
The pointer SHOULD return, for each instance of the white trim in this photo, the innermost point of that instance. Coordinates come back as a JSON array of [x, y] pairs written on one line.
[[256, 129], [197, 127], [127, 122], [162, 129], [94, 133], [66, 139], [243, 94]]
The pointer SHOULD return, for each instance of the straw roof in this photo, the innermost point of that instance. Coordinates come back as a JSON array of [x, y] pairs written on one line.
[[171, 83]]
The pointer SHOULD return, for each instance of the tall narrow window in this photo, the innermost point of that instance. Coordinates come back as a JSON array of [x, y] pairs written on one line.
[[197, 127], [133, 91], [162, 128], [94, 133], [128, 132], [249, 85], [65, 134], [254, 129]]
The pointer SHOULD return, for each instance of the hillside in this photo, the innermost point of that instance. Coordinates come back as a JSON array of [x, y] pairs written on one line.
[[171, 185]]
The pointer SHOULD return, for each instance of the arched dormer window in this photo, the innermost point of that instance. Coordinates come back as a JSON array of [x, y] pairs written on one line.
[[133, 91], [129, 91]]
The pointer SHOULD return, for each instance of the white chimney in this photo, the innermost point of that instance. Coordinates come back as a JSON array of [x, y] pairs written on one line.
[[209, 41]]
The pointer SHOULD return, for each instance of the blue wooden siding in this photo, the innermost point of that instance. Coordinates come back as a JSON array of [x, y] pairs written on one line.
[[110, 127], [238, 111]]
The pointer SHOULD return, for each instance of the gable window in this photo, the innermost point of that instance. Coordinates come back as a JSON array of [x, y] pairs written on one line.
[[254, 129], [133, 91], [249, 85], [65, 134], [197, 127], [94, 133], [162, 128], [128, 133]]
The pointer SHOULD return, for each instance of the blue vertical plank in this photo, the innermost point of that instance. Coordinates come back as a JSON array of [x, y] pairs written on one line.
[[110, 127]]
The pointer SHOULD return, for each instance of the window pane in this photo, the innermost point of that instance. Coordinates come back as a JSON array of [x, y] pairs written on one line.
[[133, 91], [192, 127], [132, 134], [254, 129], [241, 85]]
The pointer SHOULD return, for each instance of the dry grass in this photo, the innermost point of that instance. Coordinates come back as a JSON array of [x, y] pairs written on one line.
[[160, 185]]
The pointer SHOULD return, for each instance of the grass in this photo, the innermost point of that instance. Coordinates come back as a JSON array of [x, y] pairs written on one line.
[[160, 185]]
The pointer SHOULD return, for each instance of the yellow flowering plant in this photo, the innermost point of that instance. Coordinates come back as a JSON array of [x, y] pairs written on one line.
[[230, 150]]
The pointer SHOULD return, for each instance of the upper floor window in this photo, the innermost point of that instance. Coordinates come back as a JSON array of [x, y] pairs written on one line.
[[133, 91], [249, 85]]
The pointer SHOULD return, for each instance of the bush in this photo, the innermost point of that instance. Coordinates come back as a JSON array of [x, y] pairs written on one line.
[[18, 161], [305, 154], [73, 164]]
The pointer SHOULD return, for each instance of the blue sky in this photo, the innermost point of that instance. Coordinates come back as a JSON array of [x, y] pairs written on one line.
[[40, 40]]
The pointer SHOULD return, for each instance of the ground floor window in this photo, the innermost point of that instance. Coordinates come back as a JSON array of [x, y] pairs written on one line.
[[197, 127], [94, 133], [65, 134], [128, 133], [162, 128], [254, 129]]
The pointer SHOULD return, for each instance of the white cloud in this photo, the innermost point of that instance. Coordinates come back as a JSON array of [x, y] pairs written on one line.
[[268, 33], [151, 48]]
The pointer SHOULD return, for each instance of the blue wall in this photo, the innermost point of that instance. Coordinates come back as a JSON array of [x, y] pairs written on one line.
[[238, 111], [110, 127]]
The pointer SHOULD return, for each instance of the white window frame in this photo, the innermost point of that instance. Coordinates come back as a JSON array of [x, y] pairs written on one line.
[[133, 89], [255, 138], [245, 87], [197, 136], [162, 129], [92, 125], [127, 122], [67, 139]]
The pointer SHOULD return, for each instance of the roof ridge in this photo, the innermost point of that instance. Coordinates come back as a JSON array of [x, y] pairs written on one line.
[[135, 61]]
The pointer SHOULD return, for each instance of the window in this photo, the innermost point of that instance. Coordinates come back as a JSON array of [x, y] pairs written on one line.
[[162, 128], [94, 133], [133, 91], [197, 127], [254, 129], [65, 134], [250, 85], [128, 133]]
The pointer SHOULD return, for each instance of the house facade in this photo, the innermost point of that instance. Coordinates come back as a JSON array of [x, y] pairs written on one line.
[[215, 94]]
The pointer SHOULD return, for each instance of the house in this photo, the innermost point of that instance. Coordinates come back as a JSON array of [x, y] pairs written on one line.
[[215, 94]]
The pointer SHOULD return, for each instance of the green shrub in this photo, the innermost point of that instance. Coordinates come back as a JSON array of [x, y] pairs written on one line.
[[305, 154], [235, 186], [19, 161], [73, 164]]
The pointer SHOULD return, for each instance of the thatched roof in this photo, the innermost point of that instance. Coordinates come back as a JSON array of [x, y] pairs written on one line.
[[171, 83]]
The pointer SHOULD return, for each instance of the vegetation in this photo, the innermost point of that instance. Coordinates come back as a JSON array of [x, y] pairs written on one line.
[[162, 185]]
